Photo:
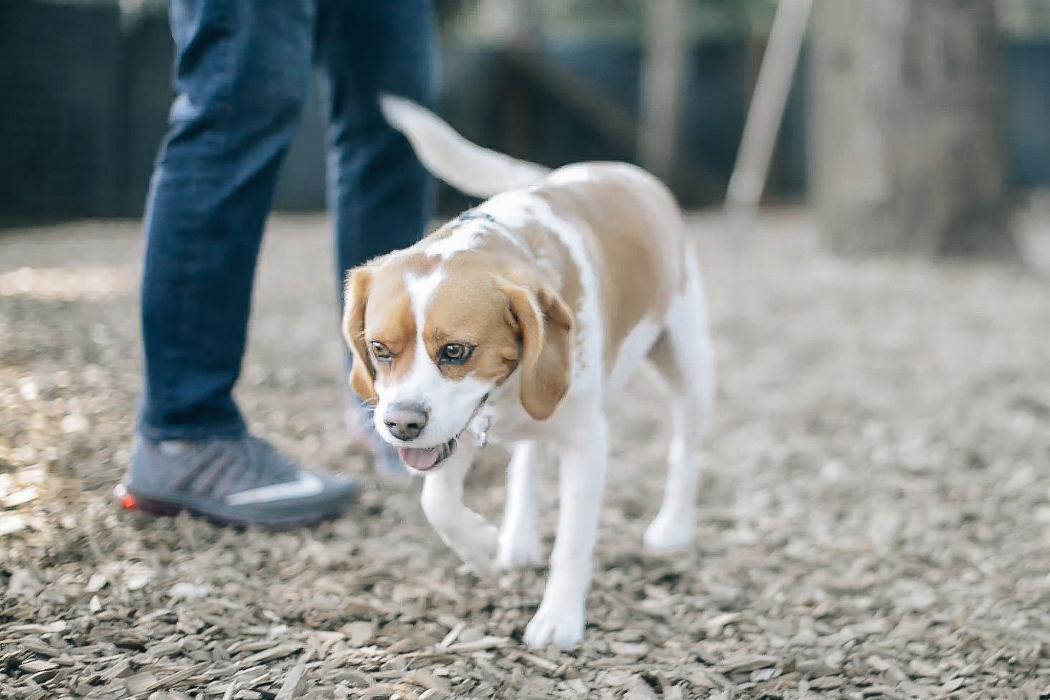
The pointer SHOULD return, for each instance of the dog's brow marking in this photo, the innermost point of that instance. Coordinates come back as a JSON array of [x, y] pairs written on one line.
[[420, 292]]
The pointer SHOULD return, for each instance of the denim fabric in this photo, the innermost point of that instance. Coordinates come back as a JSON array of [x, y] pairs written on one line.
[[242, 69]]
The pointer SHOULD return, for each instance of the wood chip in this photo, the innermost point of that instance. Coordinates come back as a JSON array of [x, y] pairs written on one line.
[[378, 691], [480, 645], [716, 624], [360, 633], [176, 678], [97, 582], [35, 665], [543, 664], [916, 568], [747, 662], [452, 636], [276, 652], [293, 683]]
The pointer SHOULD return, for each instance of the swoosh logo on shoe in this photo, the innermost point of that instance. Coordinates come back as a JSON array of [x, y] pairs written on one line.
[[306, 485]]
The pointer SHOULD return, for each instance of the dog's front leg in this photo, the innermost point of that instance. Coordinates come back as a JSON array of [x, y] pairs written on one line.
[[519, 538], [561, 615], [472, 537]]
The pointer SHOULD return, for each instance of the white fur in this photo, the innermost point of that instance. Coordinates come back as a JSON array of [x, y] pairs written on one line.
[[468, 235], [632, 353], [691, 407], [466, 532], [577, 173], [576, 432], [519, 539], [464, 238], [470, 168], [584, 451]]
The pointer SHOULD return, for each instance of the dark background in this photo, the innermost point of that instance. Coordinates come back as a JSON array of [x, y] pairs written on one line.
[[86, 92]]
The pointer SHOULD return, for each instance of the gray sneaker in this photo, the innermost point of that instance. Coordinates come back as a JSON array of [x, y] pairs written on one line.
[[241, 481]]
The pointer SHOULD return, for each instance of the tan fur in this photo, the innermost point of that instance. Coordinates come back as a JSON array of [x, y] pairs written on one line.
[[362, 375], [471, 309], [547, 342]]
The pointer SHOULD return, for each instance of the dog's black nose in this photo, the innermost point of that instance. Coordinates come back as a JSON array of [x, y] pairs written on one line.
[[405, 421]]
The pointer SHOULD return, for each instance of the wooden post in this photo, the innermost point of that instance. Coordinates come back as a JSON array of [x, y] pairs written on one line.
[[767, 106], [663, 64]]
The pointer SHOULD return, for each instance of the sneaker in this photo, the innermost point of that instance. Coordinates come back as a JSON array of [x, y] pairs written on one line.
[[238, 481], [386, 464]]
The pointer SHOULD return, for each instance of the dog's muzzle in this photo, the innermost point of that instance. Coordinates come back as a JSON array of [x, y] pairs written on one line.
[[423, 459]]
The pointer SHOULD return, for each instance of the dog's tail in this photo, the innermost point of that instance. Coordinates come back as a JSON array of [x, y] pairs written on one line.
[[466, 166]]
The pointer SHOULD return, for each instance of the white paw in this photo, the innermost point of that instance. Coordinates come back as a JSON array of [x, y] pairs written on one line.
[[560, 625], [519, 551], [667, 534]]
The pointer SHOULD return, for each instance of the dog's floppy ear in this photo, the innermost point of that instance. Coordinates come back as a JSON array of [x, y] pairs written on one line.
[[545, 327], [355, 298]]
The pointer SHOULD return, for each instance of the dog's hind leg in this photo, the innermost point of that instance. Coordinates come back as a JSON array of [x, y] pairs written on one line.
[[684, 358], [519, 538]]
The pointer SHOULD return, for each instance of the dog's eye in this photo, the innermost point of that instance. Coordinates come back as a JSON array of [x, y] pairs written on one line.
[[380, 352], [455, 353]]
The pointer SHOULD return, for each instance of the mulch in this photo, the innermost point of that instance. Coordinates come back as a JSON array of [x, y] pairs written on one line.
[[874, 522]]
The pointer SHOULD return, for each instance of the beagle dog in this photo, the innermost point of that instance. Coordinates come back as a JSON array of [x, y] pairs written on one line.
[[514, 323]]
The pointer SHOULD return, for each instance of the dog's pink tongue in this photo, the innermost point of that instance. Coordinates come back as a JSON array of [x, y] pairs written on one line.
[[420, 459]]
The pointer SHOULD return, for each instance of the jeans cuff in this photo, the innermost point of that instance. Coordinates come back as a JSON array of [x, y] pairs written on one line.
[[191, 433]]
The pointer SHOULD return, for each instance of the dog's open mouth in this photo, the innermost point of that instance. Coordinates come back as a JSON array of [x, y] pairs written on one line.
[[423, 459], [426, 458]]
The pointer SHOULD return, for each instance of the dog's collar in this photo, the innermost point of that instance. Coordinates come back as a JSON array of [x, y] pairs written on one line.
[[473, 214], [481, 435], [480, 424]]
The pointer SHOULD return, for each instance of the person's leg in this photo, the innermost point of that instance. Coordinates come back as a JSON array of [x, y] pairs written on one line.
[[379, 194], [241, 73]]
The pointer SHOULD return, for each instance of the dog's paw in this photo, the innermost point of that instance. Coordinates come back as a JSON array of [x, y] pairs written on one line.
[[667, 535], [558, 625], [519, 551]]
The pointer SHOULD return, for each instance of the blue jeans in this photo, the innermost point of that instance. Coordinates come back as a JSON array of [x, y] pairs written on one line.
[[242, 70]]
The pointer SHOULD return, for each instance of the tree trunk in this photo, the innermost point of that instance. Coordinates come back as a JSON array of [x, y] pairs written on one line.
[[906, 152]]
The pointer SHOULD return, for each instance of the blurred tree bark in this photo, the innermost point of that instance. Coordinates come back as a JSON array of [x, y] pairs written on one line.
[[906, 152]]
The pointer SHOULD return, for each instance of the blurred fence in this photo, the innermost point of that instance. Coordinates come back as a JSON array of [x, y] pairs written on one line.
[[86, 92]]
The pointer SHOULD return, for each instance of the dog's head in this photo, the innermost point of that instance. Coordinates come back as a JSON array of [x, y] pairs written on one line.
[[431, 340]]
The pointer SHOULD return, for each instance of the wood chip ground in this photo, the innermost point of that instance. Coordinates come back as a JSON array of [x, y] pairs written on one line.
[[874, 521]]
